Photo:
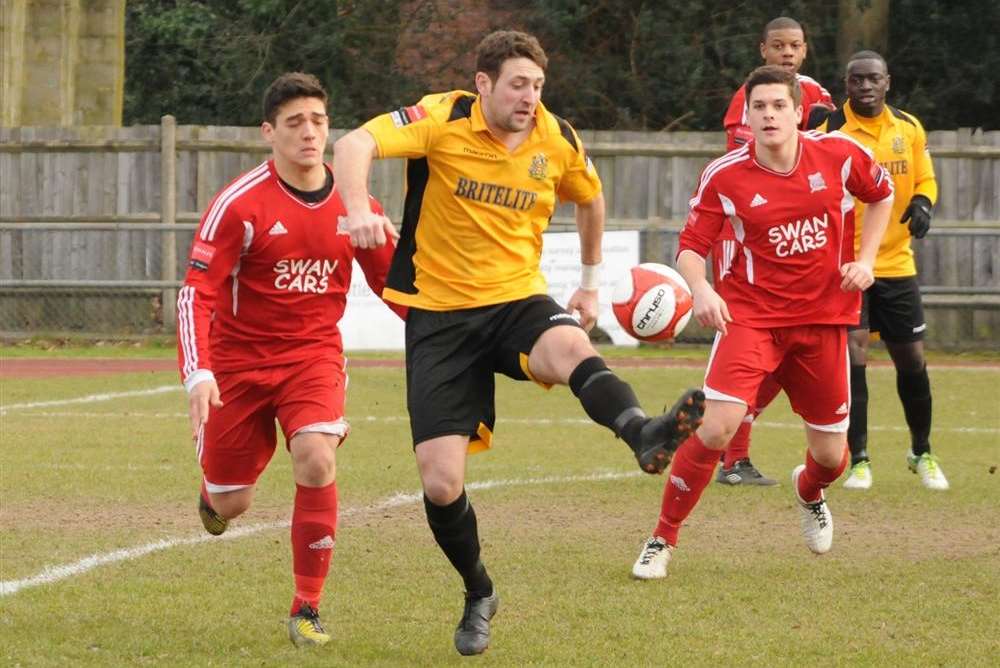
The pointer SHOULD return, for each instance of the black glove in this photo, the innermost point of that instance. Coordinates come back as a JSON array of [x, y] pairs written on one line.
[[919, 216], [817, 114]]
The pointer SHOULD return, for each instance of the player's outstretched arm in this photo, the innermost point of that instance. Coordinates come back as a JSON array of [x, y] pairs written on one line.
[[590, 226], [352, 160], [201, 396], [710, 309], [858, 275]]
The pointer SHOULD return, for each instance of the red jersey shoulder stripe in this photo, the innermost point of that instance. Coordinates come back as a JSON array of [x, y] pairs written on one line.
[[229, 194], [728, 160]]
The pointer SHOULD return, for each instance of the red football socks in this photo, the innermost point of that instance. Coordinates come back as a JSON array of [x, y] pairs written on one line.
[[314, 530], [690, 472], [817, 477]]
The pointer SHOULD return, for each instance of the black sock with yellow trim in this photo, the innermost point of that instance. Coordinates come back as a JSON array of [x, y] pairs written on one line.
[[608, 400]]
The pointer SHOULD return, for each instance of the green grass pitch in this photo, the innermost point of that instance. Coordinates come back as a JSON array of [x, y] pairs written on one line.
[[913, 578]]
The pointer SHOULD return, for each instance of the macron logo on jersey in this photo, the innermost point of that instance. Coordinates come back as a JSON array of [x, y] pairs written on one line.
[[277, 228], [758, 200]]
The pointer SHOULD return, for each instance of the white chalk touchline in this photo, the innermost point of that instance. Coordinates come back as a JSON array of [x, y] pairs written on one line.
[[51, 574], [501, 420], [90, 398]]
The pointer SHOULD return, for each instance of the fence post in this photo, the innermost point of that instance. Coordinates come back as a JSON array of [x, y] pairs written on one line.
[[168, 216]]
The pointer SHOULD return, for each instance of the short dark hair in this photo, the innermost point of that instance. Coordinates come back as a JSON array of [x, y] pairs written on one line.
[[867, 55], [502, 45], [289, 86], [774, 74], [781, 23]]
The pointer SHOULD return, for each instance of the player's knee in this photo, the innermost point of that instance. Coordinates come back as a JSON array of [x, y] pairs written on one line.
[[442, 490], [716, 435], [857, 346], [907, 357], [558, 352], [232, 504], [314, 462]]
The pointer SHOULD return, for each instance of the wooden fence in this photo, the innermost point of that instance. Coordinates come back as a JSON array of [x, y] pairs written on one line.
[[96, 220]]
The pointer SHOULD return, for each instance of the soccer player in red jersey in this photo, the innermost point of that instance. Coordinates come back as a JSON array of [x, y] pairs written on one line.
[[783, 43], [793, 290], [257, 335]]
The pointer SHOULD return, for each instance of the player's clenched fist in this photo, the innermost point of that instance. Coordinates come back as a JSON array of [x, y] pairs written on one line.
[[856, 276], [367, 229], [710, 309]]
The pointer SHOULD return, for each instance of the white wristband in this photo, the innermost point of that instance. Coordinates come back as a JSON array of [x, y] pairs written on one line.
[[590, 276]]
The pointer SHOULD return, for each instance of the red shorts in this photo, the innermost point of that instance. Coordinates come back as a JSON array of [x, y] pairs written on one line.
[[238, 440], [808, 361]]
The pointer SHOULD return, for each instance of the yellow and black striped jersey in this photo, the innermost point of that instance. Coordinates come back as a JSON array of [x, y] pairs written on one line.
[[899, 143], [474, 211]]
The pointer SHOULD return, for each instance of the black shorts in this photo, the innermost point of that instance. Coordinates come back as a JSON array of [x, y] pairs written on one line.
[[451, 357], [892, 307]]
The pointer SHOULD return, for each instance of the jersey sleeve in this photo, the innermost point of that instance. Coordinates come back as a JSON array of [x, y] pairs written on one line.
[[579, 183], [705, 220], [737, 133], [214, 253], [924, 181], [375, 262], [407, 132], [867, 180]]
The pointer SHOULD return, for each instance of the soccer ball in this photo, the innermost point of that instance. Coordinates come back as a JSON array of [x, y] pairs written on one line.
[[652, 302]]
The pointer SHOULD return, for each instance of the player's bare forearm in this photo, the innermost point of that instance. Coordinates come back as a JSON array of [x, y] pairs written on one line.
[[352, 160], [875, 222], [590, 226], [710, 309]]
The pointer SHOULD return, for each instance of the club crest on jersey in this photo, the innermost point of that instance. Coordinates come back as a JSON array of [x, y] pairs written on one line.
[[539, 167], [816, 182], [406, 115], [897, 145]]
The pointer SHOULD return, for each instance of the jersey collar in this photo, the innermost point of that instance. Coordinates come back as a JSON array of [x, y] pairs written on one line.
[[852, 122], [540, 131]]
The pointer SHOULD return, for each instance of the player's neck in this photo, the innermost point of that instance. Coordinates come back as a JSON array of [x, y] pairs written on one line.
[[307, 179], [779, 158], [510, 139], [867, 112]]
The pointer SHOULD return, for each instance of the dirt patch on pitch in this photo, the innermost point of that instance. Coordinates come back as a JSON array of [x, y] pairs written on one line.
[[147, 520], [748, 531]]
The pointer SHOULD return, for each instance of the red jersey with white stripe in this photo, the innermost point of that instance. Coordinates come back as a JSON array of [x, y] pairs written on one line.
[[794, 230], [735, 121], [268, 277]]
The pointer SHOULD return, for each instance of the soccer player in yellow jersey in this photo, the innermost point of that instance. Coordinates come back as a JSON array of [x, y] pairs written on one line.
[[484, 173], [892, 304]]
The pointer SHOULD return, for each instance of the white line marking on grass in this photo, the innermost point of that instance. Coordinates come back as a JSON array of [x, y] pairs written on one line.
[[90, 398], [51, 574], [531, 421]]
